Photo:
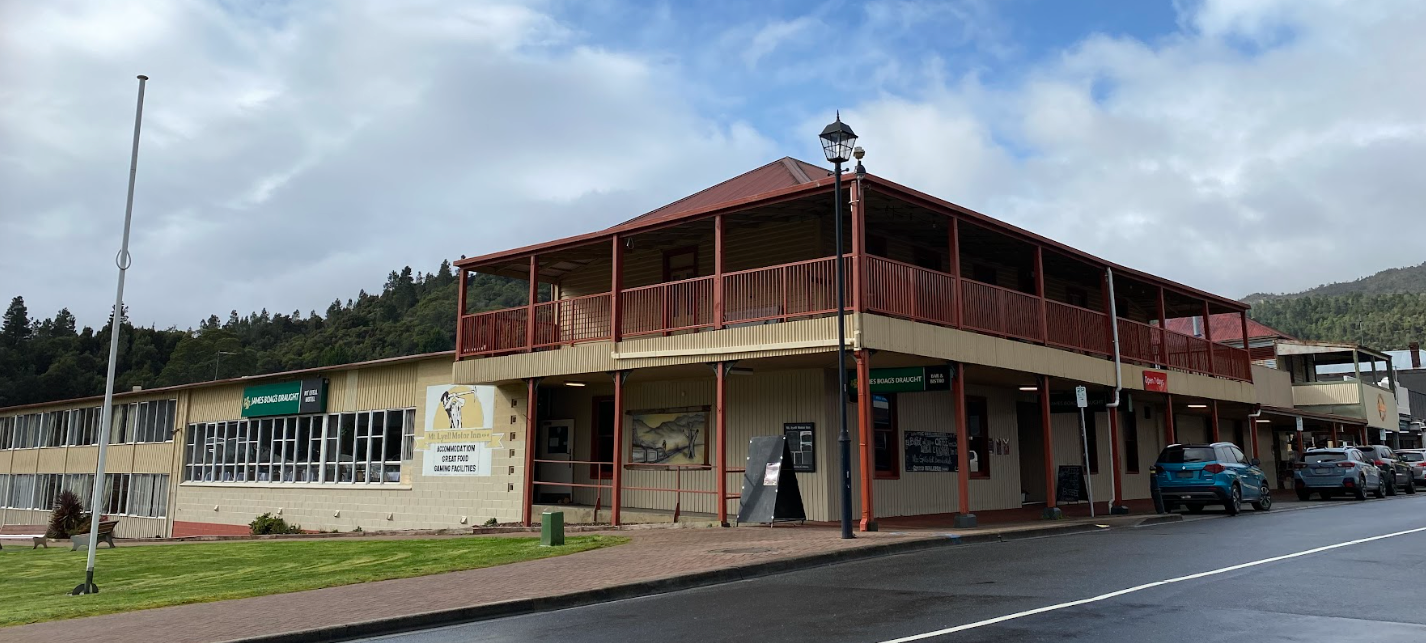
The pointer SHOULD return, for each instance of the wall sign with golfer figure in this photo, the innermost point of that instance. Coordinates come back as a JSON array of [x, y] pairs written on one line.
[[459, 436]]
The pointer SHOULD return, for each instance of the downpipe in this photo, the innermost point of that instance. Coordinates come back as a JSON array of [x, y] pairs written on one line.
[[1115, 503]]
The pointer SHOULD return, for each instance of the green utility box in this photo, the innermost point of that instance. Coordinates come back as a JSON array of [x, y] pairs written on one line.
[[551, 528]]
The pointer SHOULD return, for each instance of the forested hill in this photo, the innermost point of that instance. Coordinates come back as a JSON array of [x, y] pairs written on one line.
[[50, 359], [1392, 281]]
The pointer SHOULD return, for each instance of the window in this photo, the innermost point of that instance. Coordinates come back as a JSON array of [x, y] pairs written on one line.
[[7, 440], [362, 447], [926, 258], [985, 274], [1077, 297], [884, 439], [680, 264], [1131, 442], [1182, 455], [602, 450], [978, 435]]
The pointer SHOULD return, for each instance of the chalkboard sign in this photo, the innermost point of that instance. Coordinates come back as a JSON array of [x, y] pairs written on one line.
[[770, 492], [930, 451], [1069, 486]]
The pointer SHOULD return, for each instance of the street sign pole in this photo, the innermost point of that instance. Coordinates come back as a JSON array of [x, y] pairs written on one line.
[[1081, 399]]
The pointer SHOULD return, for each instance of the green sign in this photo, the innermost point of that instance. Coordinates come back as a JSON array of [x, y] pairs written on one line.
[[285, 398], [906, 380]]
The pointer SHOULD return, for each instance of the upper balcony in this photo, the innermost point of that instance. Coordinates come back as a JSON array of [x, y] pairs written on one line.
[[761, 249]]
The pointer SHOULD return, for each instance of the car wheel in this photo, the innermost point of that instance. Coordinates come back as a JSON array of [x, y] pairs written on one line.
[[1380, 491], [1195, 507], [1265, 499], [1391, 486], [1170, 507], [1411, 486], [1303, 495], [1360, 491], [1234, 505]]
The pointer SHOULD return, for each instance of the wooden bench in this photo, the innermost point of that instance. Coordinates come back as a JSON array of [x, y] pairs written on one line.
[[33, 533], [106, 535]]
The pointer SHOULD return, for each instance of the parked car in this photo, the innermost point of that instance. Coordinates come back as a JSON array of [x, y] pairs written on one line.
[[1415, 459], [1195, 475], [1396, 472], [1337, 470]]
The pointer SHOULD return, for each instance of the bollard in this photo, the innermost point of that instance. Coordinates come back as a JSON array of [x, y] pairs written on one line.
[[551, 528]]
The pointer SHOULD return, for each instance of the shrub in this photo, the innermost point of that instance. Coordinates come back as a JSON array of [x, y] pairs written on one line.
[[68, 516], [267, 524], [492, 522]]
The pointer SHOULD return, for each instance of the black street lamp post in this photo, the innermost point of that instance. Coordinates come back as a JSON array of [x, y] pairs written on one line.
[[837, 143]]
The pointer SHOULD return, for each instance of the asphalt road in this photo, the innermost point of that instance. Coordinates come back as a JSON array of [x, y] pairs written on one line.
[[1357, 590]]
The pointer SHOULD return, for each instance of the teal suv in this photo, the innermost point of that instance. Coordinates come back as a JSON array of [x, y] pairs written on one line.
[[1196, 475]]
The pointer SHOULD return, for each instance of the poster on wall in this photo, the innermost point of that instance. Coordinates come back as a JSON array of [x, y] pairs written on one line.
[[930, 451], [670, 436], [459, 436], [801, 439]]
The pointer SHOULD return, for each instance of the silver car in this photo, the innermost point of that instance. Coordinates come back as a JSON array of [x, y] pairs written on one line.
[[1416, 459], [1339, 470]]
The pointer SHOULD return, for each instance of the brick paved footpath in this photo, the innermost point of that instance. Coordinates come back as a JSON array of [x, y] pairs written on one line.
[[652, 554]]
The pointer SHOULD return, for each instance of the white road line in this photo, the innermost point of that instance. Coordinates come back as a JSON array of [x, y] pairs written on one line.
[[1140, 588]]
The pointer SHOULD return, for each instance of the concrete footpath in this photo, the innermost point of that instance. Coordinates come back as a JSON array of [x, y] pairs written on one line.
[[654, 561]]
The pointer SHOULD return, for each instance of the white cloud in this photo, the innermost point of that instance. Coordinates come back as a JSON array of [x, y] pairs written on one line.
[[295, 153], [1270, 146]]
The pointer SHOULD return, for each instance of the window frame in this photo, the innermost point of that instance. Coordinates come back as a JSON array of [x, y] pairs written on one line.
[[983, 454], [893, 438]]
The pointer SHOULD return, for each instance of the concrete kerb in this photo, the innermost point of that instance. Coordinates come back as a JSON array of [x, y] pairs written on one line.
[[489, 611]]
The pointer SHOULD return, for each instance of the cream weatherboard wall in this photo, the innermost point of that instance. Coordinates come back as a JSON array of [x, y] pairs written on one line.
[[149, 457], [417, 502]]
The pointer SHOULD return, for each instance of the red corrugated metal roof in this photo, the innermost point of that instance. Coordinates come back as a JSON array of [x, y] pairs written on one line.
[[1227, 327], [785, 172]]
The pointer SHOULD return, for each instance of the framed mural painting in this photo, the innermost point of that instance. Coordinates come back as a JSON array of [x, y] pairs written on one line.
[[670, 436]]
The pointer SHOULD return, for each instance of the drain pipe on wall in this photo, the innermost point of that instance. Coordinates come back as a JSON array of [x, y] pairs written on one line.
[[1116, 505]]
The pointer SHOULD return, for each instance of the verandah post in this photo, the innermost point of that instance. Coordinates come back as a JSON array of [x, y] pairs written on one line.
[[530, 305], [616, 502], [964, 518], [1213, 411], [1040, 292], [1169, 432], [616, 304], [532, 389], [718, 274], [720, 468], [460, 315], [955, 244], [1051, 511], [1208, 336], [864, 430]]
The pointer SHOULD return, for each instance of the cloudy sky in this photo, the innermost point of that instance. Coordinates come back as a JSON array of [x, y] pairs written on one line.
[[295, 152]]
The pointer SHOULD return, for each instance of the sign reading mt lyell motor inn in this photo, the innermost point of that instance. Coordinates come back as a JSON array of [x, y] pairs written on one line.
[[285, 398]]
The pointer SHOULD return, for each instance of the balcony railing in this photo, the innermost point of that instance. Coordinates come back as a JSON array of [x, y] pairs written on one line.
[[808, 289], [667, 308]]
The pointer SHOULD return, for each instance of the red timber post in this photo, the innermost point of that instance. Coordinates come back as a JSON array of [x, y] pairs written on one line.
[[1040, 292], [1115, 457], [617, 500], [858, 250], [1213, 418], [1299, 443], [1051, 511], [460, 315], [1170, 433], [1334, 434], [532, 392], [616, 283], [863, 360], [1253, 427], [530, 307], [955, 244], [720, 468], [964, 518], [1247, 354], [1208, 337], [718, 295], [1163, 332]]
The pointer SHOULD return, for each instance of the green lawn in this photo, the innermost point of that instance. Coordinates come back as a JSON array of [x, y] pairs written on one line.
[[34, 583]]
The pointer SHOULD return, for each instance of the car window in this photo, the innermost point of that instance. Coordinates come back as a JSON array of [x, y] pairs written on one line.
[[1182, 455], [1411, 456], [1313, 458], [1238, 455]]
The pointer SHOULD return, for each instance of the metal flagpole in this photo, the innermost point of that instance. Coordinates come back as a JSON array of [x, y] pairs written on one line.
[[123, 260]]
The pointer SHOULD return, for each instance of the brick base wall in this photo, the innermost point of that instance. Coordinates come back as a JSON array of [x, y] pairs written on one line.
[[182, 528]]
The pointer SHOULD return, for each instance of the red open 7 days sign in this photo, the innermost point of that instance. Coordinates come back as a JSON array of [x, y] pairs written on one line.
[[1156, 381]]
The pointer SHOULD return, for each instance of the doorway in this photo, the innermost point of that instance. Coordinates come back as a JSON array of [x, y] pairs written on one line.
[[1032, 452]]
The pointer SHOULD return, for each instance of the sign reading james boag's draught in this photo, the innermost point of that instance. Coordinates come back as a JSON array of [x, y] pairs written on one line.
[[459, 432], [285, 398]]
